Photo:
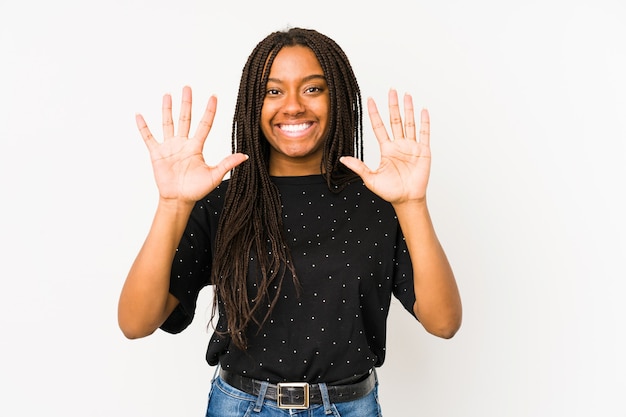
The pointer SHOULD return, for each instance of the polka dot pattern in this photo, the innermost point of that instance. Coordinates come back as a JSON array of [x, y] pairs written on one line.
[[350, 258]]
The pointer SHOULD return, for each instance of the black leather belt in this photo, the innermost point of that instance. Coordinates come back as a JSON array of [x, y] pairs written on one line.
[[298, 395]]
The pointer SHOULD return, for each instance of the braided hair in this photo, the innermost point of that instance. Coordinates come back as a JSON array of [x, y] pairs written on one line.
[[251, 224]]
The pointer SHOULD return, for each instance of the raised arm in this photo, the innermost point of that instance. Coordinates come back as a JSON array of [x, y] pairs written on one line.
[[402, 179], [182, 178]]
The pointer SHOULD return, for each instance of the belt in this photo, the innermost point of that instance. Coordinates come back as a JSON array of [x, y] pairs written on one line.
[[298, 395]]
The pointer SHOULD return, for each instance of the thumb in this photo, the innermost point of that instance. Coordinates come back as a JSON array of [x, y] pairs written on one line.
[[355, 165], [231, 161]]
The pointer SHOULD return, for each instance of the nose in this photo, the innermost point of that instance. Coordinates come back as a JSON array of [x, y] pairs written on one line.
[[293, 104]]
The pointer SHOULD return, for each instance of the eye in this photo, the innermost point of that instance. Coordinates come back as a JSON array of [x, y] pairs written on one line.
[[272, 92], [313, 89]]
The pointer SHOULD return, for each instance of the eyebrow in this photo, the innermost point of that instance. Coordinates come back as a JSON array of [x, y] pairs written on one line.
[[305, 79]]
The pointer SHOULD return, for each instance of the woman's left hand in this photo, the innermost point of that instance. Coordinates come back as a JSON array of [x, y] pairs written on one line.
[[404, 169]]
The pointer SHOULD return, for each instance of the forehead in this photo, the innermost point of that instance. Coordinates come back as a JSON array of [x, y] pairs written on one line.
[[291, 60]]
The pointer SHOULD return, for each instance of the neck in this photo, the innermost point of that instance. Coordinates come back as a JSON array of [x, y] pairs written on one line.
[[294, 167]]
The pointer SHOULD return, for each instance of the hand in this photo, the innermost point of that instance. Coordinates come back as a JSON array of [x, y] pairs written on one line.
[[404, 168], [178, 164]]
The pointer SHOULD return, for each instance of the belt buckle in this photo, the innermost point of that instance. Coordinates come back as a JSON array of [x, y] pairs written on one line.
[[282, 386]]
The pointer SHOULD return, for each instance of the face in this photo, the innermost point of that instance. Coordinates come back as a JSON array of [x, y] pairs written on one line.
[[294, 116]]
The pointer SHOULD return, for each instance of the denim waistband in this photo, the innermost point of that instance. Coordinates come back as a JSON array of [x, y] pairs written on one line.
[[301, 394]]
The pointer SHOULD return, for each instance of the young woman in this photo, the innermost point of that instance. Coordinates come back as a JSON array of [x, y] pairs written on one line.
[[304, 245]]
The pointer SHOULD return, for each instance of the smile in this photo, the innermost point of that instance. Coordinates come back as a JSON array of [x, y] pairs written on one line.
[[294, 128]]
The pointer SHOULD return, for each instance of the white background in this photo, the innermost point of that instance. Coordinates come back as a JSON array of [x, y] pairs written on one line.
[[528, 105]]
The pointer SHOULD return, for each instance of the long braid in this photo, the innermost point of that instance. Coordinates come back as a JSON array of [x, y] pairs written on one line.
[[251, 222]]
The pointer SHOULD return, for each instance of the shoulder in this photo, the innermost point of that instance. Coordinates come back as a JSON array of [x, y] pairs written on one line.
[[211, 204], [217, 195]]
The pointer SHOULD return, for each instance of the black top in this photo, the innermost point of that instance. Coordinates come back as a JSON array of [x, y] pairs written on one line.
[[350, 256]]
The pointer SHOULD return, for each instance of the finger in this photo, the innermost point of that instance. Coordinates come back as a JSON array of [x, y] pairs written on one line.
[[409, 118], [145, 132], [184, 120], [425, 127], [230, 162], [356, 165], [377, 123], [207, 120], [168, 123], [394, 115]]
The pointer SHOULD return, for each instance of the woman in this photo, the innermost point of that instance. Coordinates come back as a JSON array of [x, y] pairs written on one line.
[[304, 244]]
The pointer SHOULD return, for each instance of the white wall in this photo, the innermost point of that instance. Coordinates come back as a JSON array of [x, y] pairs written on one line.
[[528, 105]]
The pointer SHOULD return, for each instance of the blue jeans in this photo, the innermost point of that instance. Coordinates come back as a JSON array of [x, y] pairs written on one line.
[[226, 401]]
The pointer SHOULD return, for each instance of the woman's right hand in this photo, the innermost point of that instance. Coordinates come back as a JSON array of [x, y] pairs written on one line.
[[178, 163], [182, 178]]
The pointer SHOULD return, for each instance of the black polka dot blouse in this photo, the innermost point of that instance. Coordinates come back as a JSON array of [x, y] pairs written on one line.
[[350, 257]]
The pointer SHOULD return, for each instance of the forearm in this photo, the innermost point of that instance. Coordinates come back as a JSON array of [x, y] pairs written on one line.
[[145, 301], [438, 303]]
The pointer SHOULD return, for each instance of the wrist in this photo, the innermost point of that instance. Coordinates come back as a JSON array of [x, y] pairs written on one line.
[[175, 206], [413, 204]]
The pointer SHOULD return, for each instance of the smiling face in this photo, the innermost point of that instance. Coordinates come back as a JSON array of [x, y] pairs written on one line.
[[295, 112]]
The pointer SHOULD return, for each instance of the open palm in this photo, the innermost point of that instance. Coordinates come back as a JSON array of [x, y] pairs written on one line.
[[178, 163], [404, 168]]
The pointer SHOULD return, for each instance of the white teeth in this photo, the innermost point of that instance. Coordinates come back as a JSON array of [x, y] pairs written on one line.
[[295, 128]]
